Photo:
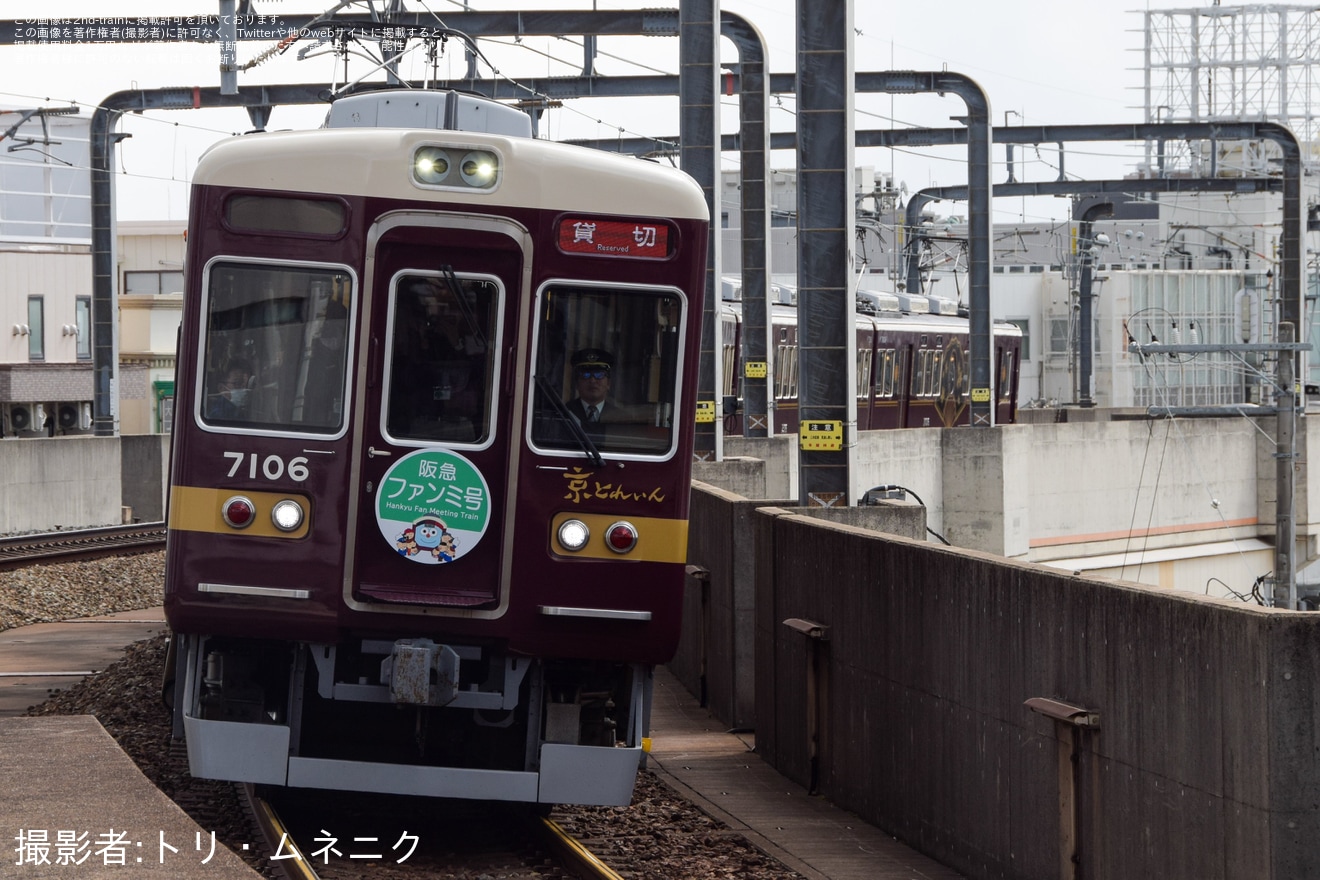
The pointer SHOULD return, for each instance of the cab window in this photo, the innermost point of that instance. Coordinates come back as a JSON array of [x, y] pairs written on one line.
[[275, 348], [442, 358], [607, 368]]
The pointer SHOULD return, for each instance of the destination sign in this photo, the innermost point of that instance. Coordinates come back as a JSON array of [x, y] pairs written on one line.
[[613, 238]]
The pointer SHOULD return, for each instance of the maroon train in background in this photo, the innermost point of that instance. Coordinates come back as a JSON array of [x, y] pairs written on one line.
[[912, 367]]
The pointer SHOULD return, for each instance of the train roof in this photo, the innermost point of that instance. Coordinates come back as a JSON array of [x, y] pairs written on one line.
[[378, 162]]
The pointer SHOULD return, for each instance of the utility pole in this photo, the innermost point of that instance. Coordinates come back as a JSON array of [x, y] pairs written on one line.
[[1285, 454], [1284, 593], [1086, 247]]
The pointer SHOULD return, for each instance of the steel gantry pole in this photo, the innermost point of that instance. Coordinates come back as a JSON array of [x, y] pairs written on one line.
[[697, 71], [827, 377], [978, 137], [1290, 268], [1285, 463], [753, 89], [921, 198], [105, 311]]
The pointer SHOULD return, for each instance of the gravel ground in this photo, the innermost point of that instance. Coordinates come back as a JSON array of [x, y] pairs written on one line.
[[660, 836], [46, 593]]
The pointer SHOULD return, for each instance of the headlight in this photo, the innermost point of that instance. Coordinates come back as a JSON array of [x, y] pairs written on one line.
[[430, 165], [479, 168], [455, 167]]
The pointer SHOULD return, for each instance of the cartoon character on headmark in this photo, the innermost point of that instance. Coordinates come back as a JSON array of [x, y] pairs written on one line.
[[428, 535]]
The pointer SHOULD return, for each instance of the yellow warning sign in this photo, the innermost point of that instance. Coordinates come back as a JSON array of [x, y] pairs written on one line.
[[821, 436], [980, 395], [705, 411], [755, 370]]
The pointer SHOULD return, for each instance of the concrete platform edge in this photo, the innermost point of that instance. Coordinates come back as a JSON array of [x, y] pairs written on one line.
[[756, 838]]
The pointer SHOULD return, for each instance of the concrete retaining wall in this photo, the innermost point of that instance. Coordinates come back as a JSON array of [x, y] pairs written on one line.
[[1073, 490], [1204, 764], [716, 657], [145, 462], [82, 482], [1144, 484], [60, 482]]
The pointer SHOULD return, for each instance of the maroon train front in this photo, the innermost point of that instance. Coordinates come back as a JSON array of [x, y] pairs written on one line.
[[400, 558]]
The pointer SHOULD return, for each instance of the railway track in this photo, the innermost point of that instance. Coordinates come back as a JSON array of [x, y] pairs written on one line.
[[449, 839], [273, 834], [18, 551], [579, 861]]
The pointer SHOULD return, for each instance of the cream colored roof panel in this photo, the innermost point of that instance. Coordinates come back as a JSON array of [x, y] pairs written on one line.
[[377, 162]]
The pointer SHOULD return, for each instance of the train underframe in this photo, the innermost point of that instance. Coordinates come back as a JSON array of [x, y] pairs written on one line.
[[412, 716]]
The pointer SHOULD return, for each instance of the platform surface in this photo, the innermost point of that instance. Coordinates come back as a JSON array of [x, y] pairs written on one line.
[[37, 659], [720, 772], [74, 805]]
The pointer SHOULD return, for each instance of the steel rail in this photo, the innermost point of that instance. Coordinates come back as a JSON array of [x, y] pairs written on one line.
[[577, 858], [276, 835], [44, 548]]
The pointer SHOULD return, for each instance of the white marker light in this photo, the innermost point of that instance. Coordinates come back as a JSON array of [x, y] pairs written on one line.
[[287, 515], [573, 535]]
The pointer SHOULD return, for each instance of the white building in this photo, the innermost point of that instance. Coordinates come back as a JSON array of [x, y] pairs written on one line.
[[46, 379], [1186, 268], [45, 274]]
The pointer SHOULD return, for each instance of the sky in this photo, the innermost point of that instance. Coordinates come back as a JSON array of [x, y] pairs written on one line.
[[1041, 62]]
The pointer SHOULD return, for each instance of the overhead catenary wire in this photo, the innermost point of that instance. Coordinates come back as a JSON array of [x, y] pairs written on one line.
[[122, 171], [378, 64], [1175, 425], [539, 95], [600, 119]]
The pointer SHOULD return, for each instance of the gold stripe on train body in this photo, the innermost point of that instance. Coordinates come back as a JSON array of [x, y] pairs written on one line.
[[201, 509]]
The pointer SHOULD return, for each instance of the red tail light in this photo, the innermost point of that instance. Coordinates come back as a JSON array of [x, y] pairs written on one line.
[[621, 537], [238, 512]]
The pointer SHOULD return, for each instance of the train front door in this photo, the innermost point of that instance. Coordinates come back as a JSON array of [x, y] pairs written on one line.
[[434, 428]]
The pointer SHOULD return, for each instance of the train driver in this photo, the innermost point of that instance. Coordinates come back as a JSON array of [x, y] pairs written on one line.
[[591, 384], [231, 395]]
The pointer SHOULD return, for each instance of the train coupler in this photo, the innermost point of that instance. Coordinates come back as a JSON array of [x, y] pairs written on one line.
[[420, 672]]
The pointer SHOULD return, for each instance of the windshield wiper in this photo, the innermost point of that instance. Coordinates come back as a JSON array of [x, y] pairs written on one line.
[[460, 297], [574, 427]]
